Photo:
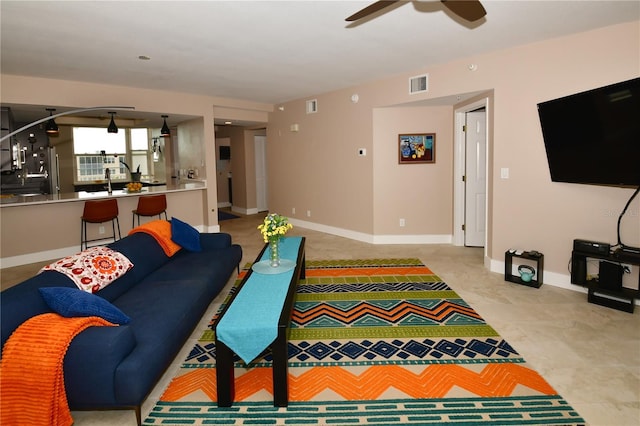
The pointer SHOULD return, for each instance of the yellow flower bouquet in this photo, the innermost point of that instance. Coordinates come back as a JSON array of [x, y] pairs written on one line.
[[274, 227]]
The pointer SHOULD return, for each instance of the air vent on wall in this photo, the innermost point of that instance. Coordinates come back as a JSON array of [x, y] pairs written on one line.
[[312, 106], [419, 84]]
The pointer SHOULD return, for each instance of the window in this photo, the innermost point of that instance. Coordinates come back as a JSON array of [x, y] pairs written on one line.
[[95, 150], [140, 150]]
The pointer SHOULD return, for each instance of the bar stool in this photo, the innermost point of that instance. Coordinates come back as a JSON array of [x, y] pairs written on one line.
[[99, 211], [150, 205]]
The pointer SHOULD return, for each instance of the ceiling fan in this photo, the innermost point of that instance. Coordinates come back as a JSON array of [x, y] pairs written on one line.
[[470, 10]]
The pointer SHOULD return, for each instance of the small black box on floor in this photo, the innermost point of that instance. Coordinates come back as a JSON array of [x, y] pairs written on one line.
[[610, 276]]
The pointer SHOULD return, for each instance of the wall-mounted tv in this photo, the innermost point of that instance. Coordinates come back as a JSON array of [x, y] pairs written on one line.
[[225, 152], [593, 137]]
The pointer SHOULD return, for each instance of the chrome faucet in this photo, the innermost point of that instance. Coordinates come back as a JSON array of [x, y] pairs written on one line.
[[107, 175]]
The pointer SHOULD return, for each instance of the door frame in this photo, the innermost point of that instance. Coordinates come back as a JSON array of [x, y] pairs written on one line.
[[459, 167], [260, 156]]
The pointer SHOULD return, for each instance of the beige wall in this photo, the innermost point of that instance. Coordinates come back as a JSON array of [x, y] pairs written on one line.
[[192, 147], [528, 211], [422, 194], [317, 170]]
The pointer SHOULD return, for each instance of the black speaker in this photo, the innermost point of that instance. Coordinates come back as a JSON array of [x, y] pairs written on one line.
[[578, 270], [610, 276]]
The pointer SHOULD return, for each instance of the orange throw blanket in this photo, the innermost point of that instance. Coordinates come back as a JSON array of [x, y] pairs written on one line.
[[161, 231], [31, 377]]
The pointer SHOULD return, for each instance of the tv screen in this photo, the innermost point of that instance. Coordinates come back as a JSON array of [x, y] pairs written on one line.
[[593, 137], [225, 152]]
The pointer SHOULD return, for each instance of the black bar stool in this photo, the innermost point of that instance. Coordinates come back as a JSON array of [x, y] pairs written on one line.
[[99, 211], [150, 205]]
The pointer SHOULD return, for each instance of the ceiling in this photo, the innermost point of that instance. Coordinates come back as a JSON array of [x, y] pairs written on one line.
[[269, 51]]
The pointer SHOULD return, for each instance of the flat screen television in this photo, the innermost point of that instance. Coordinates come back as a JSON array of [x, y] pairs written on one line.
[[225, 152], [593, 137]]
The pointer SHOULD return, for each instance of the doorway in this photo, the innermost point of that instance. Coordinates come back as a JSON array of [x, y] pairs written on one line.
[[260, 145], [475, 178], [470, 171]]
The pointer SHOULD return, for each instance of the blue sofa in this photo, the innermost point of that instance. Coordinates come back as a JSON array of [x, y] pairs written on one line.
[[165, 297]]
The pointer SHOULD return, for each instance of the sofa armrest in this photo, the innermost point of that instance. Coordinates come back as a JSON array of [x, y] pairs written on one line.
[[91, 360], [214, 241]]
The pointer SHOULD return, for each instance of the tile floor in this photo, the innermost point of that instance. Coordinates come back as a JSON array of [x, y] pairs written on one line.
[[589, 354]]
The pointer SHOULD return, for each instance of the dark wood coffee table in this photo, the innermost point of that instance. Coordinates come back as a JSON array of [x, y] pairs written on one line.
[[279, 350]]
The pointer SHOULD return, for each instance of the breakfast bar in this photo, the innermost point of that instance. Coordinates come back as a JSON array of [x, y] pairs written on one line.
[[40, 227]]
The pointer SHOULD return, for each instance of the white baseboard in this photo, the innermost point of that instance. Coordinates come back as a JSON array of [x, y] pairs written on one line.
[[41, 256], [244, 211], [373, 239], [413, 239]]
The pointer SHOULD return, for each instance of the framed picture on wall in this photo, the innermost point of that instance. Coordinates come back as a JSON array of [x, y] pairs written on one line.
[[416, 148]]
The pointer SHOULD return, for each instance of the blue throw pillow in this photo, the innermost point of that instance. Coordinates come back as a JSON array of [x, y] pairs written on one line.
[[185, 235], [73, 302]]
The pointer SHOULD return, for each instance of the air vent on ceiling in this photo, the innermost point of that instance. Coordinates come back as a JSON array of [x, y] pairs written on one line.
[[312, 106], [419, 84]]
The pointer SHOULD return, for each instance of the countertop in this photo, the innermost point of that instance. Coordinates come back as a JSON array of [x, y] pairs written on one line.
[[33, 199]]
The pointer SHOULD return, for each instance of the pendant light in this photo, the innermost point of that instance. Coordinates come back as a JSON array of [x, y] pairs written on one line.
[[165, 129], [112, 126], [51, 127]]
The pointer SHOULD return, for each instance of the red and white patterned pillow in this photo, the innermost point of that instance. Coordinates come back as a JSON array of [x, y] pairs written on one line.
[[93, 269]]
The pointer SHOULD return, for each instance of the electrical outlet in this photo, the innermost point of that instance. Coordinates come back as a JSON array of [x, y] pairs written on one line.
[[293, 210], [401, 222], [101, 229], [308, 213]]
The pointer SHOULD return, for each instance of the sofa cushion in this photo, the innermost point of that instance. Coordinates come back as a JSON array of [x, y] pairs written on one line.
[[161, 231], [161, 328], [185, 235], [147, 256], [92, 269], [23, 301], [71, 302]]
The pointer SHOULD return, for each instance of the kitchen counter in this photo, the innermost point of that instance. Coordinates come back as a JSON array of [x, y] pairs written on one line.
[[101, 185], [9, 200]]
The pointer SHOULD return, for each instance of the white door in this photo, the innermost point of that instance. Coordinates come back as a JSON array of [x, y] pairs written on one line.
[[475, 179], [260, 143]]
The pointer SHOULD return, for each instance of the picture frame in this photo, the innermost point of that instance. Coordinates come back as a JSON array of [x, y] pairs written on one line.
[[416, 148]]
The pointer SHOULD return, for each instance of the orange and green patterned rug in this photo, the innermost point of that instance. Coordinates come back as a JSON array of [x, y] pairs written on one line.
[[373, 342]]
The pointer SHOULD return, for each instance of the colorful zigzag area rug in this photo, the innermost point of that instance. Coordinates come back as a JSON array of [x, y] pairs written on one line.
[[373, 342]]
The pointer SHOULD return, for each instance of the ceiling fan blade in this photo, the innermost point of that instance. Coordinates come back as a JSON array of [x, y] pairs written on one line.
[[372, 8], [471, 10]]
